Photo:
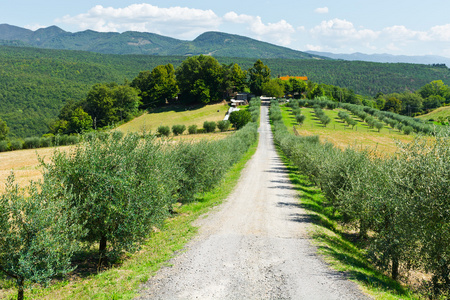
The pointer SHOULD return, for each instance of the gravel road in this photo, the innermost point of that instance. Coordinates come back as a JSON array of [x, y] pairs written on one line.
[[254, 246]]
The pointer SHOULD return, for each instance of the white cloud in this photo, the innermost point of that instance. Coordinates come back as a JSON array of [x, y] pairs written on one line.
[[180, 22], [279, 33], [321, 10], [313, 48], [34, 27]]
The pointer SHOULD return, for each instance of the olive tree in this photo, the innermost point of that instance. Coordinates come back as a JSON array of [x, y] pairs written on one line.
[[125, 186], [38, 232]]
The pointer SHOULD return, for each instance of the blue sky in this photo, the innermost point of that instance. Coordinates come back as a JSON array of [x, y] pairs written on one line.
[[345, 26]]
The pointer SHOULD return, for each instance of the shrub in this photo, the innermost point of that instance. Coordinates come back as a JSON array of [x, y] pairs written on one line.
[[163, 131], [16, 144], [4, 146], [31, 143], [46, 141], [240, 118], [122, 187], [192, 129], [209, 126], [300, 118], [178, 129], [223, 125], [407, 130], [38, 232]]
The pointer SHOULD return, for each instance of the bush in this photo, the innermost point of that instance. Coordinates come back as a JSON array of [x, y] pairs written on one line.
[[46, 141], [300, 118], [16, 144], [240, 118], [122, 187], [209, 126], [31, 143], [4, 146], [223, 125], [407, 130], [163, 131], [178, 129], [192, 129]]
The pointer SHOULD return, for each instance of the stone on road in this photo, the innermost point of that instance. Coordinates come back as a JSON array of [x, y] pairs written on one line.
[[254, 246]]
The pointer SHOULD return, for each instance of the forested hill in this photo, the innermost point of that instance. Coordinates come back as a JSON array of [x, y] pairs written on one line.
[[132, 42], [35, 83]]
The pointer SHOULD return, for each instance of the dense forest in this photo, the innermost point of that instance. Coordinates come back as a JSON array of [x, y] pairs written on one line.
[[36, 83]]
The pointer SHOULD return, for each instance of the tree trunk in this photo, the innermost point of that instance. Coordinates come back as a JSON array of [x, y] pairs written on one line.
[[102, 251], [395, 266], [20, 289]]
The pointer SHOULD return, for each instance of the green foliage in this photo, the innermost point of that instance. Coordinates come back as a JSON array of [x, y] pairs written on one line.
[[209, 126], [37, 232], [3, 130], [16, 144], [163, 130], [4, 146], [38, 82], [192, 129], [300, 118], [407, 130], [240, 118], [32, 143], [178, 129], [273, 88], [200, 79], [259, 74], [223, 125], [124, 186], [401, 200], [156, 87]]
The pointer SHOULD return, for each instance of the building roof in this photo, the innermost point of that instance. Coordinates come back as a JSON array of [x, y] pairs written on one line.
[[304, 78]]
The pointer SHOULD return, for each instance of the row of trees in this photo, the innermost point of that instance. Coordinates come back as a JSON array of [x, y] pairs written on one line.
[[399, 204], [109, 190]]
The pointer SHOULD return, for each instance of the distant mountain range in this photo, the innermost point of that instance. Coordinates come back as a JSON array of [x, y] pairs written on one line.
[[386, 58], [131, 42]]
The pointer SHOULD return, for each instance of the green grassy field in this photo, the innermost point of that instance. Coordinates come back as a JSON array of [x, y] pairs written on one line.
[[435, 114], [174, 115], [343, 136]]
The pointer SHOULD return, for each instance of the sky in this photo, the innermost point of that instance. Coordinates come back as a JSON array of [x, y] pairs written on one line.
[[395, 27]]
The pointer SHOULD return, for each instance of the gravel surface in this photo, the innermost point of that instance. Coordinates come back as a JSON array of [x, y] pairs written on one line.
[[254, 246]]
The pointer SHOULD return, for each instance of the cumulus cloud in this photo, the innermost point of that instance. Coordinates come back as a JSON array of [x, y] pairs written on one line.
[[180, 22], [321, 10], [279, 33]]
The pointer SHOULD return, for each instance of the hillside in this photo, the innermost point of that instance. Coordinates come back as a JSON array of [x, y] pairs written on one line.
[[35, 83], [132, 42], [386, 58]]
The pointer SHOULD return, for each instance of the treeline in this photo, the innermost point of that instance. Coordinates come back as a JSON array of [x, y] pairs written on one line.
[[199, 79], [36, 83], [398, 204], [109, 191]]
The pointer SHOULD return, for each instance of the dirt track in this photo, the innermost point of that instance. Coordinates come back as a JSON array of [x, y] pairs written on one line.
[[254, 246]]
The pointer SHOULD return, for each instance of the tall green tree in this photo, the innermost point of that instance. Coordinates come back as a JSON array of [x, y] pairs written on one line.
[[258, 75], [273, 88], [110, 103], [200, 79], [158, 86], [80, 121]]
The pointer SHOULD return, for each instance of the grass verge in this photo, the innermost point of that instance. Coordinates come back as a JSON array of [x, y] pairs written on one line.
[[123, 282], [341, 254]]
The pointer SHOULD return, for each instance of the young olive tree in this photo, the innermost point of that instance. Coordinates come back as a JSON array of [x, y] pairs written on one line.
[[125, 186], [38, 232]]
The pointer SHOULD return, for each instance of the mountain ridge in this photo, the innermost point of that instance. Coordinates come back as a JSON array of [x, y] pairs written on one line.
[[386, 58], [133, 42]]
